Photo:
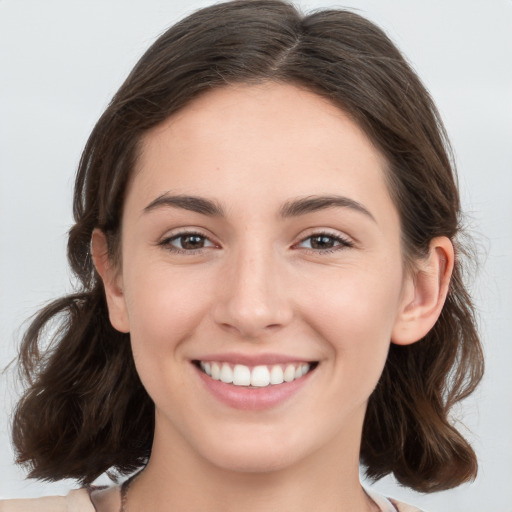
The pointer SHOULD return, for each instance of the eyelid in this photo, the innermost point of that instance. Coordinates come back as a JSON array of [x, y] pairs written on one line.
[[345, 242], [166, 240]]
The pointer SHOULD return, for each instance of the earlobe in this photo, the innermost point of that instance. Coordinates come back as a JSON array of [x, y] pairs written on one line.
[[112, 281], [425, 293]]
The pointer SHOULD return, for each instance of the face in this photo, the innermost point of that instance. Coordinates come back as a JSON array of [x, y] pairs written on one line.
[[259, 242]]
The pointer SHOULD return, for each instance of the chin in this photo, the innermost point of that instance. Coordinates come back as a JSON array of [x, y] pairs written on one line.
[[257, 451], [256, 461]]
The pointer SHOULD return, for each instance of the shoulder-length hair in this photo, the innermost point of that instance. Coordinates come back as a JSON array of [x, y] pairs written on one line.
[[85, 410]]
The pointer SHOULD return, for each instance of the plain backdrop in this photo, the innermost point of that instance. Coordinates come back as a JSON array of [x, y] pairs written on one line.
[[62, 60]]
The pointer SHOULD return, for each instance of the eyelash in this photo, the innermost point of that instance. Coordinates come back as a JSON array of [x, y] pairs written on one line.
[[167, 242], [342, 243]]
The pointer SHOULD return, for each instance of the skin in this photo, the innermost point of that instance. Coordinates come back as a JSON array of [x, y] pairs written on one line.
[[260, 283]]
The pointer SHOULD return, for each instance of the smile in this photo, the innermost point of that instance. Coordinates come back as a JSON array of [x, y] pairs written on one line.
[[257, 376]]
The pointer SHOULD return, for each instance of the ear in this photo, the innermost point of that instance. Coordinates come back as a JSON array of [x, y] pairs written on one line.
[[112, 281], [424, 293]]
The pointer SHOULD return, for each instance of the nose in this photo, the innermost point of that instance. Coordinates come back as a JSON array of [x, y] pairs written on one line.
[[252, 300]]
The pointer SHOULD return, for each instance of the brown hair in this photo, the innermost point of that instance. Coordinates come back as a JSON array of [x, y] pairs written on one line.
[[85, 410]]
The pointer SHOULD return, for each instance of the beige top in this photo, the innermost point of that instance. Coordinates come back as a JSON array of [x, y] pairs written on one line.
[[81, 500], [76, 501]]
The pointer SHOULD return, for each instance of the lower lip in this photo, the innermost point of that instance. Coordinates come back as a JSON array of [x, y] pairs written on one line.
[[252, 399]]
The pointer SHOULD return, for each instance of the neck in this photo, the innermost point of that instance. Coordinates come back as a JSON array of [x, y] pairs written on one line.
[[174, 479]]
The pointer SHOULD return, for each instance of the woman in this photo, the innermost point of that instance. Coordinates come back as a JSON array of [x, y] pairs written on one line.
[[266, 221]]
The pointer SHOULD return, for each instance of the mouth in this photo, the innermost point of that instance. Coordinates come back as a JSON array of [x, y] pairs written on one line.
[[260, 376]]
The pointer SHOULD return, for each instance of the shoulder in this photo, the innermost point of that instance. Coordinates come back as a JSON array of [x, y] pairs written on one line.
[[390, 504], [76, 501], [403, 507]]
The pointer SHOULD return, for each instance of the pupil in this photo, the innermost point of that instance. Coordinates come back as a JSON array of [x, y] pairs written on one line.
[[192, 242], [322, 242]]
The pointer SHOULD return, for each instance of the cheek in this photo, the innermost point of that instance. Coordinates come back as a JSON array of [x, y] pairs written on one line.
[[164, 307], [164, 310], [362, 304], [355, 313]]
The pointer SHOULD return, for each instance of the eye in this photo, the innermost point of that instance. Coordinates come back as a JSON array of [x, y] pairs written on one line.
[[325, 242], [187, 242]]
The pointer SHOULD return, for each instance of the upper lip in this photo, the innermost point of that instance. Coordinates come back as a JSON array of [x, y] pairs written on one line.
[[253, 359]]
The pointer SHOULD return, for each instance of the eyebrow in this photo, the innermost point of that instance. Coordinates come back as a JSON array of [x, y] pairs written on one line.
[[192, 203], [294, 208], [315, 203]]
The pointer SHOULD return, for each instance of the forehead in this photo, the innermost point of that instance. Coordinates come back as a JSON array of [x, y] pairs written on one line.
[[244, 111], [268, 140]]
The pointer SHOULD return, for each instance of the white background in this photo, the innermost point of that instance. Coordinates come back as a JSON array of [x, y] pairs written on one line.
[[61, 61]]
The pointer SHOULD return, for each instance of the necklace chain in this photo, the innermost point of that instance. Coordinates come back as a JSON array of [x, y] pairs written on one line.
[[124, 490]]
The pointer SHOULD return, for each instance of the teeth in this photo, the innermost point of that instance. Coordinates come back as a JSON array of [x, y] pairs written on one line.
[[241, 375], [259, 376], [226, 374], [289, 373], [215, 371], [276, 375], [206, 368]]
